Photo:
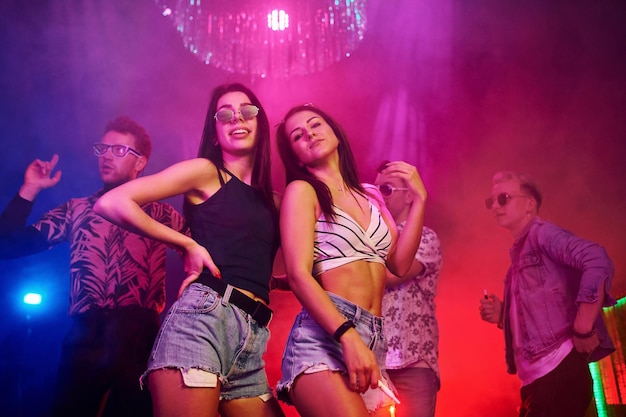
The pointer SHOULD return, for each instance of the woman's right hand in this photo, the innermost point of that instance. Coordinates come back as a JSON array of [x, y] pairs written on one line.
[[195, 259], [363, 371]]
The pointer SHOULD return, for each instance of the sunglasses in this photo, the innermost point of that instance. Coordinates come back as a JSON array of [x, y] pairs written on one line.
[[120, 151], [387, 189], [247, 111], [501, 198]]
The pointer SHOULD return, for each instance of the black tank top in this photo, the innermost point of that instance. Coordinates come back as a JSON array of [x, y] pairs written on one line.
[[240, 232]]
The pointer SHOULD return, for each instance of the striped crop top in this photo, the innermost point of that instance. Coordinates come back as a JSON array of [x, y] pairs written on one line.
[[343, 240]]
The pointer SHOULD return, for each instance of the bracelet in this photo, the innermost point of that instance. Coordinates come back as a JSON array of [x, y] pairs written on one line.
[[345, 326], [583, 335]]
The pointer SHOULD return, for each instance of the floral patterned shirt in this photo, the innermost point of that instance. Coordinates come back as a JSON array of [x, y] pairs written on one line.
[[409, 309], [110, 267]]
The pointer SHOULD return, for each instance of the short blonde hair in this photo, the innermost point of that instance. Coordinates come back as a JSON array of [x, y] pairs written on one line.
[[526, 184]]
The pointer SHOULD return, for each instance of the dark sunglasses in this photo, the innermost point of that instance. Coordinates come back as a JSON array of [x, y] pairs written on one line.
[[120, 151], [501, 198], [247, 111], [387, 189]]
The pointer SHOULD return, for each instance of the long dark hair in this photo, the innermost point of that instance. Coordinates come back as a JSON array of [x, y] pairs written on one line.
[[211, 149], [294, 170]]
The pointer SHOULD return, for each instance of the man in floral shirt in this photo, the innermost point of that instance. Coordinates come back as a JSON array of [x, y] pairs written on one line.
[[117, 279], [409, 310]]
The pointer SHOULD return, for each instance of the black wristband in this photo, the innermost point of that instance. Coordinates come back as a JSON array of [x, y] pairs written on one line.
[[345, 326], [583, 335]]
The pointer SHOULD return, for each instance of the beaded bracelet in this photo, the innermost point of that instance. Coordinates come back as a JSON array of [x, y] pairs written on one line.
[[345, 326]]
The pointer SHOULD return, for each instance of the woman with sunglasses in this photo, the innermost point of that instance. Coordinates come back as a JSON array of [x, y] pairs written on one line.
[[337, 237], [207, 357]]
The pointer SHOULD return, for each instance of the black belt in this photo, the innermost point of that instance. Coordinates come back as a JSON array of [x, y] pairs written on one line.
[[261, 313]]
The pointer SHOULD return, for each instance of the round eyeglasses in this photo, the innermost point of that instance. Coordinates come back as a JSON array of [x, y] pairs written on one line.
[[387, 189], [502, 199], [247, 111], [120, 151]]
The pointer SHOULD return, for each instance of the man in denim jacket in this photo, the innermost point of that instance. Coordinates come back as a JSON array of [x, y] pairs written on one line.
[[554, 291]]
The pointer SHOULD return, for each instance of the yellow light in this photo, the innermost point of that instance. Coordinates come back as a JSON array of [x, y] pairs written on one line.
[[392, 411]]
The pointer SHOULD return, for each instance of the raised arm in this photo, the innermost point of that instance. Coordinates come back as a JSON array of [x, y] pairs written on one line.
[[427, 262], [16, 239], [401, 257], [297, 225], [38, 176], [122, 206]]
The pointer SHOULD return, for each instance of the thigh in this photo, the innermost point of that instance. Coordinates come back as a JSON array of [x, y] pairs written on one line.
[[417, 391], [251, 407], [315, 394], [172, 398]]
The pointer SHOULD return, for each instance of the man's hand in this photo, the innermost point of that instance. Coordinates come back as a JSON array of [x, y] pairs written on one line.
[[586, 345], [490, 309], [38, 176]]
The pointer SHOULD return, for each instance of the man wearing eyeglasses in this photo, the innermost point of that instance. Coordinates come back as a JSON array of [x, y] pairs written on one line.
[[117, 279], [409, 309], [553, 294]]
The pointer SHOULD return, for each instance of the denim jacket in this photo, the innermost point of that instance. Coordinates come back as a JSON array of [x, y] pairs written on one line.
[[555, 271]]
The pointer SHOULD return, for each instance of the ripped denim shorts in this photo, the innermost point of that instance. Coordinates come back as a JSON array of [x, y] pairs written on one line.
[[309, 348], [204, 334]]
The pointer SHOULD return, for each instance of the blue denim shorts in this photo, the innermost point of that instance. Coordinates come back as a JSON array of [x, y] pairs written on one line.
[[203, 332], [310, 348]]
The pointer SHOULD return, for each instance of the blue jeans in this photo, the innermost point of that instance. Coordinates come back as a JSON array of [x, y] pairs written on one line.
[[417, 391], [203, 331]]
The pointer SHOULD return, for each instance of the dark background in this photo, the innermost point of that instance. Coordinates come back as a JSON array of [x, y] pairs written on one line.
[[460, 88]]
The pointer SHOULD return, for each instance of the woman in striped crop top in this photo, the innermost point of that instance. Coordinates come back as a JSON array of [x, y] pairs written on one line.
[[337, 238]]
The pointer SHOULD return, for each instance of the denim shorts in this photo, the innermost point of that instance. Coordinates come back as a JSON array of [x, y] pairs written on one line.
[[203, 332], [310, 348]]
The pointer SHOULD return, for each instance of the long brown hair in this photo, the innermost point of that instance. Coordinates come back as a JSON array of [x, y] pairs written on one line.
[[211, 149], [294, 170]]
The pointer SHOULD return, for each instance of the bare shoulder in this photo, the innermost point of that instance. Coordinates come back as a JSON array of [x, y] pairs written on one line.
[[200, 169], [300, 195], [195, 164], [299, 189]]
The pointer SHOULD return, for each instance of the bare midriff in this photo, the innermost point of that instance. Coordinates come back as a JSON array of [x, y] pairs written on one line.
[[359, 282]]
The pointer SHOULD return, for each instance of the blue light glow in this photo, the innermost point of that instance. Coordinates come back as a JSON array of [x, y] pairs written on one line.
[[32, 298]]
